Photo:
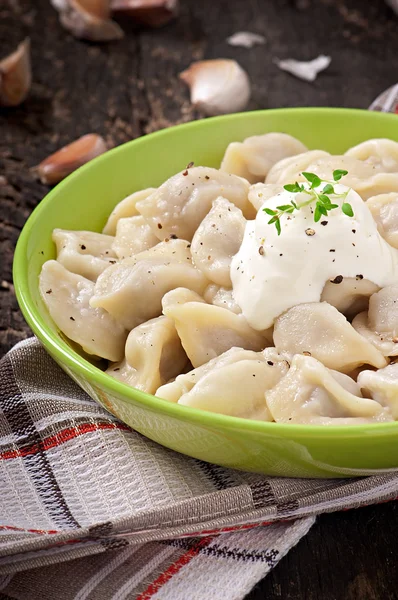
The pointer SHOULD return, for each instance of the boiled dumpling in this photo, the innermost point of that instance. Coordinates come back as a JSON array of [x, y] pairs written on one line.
[[169, 250], [126, 208], [154, 355], [254, 157], [217, 239], [184, 383], [84, 252], [321, 331], [231, 384], [261, 192], [288, 169], [382, 153], [236, 390], [312, 394], [181, 203], [67, 297], [132, 290], [366, 179], [382, 386], [220, 296], [207, 331], [133, 235], [351, 296], [380, 325], [384, 209]]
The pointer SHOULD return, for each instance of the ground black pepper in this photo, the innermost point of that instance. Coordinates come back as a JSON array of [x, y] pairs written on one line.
[[337, 279]]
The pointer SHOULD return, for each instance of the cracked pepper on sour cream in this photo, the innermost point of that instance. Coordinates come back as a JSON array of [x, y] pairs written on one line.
[[271, 272]]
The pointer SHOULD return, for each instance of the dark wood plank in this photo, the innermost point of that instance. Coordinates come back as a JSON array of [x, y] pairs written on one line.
[[345, 556], [131, 87]]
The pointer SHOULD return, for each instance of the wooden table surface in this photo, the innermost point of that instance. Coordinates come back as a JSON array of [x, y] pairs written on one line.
[[130, 87]]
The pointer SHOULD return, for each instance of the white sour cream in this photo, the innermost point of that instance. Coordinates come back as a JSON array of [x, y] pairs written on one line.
[[272, 273]]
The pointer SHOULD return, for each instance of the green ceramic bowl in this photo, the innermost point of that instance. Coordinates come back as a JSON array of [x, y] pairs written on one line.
[[84, 200]]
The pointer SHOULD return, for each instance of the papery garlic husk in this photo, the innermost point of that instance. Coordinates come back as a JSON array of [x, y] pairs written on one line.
[[307, 70], [245, 39], [15, 76], [153, 13], [88, 19], [69, 158], [217, 86]]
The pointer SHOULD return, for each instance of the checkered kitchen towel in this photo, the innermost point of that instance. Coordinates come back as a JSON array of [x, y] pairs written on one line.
[[91, 510], [133, 519]]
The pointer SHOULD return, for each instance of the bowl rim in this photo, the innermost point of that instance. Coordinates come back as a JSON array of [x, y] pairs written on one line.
[[66, 355]]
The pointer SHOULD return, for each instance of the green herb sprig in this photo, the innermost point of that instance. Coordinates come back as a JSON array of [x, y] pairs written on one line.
[[323, 203]]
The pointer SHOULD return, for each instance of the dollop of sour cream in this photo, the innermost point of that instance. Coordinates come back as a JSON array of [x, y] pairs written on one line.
[[271, 272]]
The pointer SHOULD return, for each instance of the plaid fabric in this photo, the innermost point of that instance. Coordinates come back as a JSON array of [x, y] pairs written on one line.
[[90, 509], [136, 520], [388, 100], [393, 4]]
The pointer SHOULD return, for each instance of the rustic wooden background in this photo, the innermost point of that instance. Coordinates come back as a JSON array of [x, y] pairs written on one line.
[[130, 87]]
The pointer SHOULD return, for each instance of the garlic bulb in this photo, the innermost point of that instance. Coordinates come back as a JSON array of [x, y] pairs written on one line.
[[217, 86], [153, 13], [69, 158], [15, 76], [88, 19]]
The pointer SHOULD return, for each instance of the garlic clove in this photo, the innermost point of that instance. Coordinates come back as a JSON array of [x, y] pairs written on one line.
[[88, 19], [217, 86], [97, 8], [304, 69], [153, 13], [15, 76], [69, 158], [245, 39]]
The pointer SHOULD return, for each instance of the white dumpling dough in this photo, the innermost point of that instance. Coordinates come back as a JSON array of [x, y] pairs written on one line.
[[220, 296], [206, 331], [351, 296], [259, 193], [153, 356], [126, 208], [231, 384], [312, 394], [380, 325], [85, 253], [288, 169], [384, 209], [182, 202], [67, 297], [133, 235], [217, 239], [132, 290], [382, 386], [320, 330], [254, 157], [363, 177], [382, 153]]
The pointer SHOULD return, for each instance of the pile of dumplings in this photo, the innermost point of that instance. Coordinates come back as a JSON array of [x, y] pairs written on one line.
[[152, 294]]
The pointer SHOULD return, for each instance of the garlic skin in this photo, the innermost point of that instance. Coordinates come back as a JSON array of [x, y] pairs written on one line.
[[97, 8], [307, 70], [152, 13], [15, 76], [69, 158], [245, 39], [88, 19], [218, 86]]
